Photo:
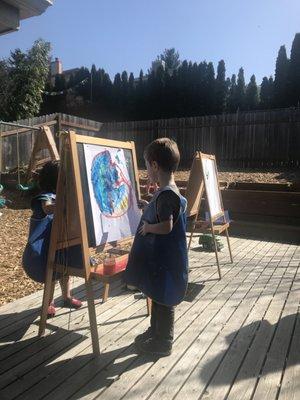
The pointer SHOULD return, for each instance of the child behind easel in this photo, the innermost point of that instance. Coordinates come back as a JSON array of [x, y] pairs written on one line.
[[36, 250]]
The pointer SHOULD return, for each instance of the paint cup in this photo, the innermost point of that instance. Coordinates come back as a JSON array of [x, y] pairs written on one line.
[[109, 266]]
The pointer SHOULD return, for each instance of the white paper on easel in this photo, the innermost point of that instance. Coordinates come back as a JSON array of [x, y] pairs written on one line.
[[212, 186], [112, 196]]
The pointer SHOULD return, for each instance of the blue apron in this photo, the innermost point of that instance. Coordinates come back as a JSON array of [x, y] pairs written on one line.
[[36, 251], [158, 264]]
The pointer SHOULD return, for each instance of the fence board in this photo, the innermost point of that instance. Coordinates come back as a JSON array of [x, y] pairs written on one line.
[[258, 139]]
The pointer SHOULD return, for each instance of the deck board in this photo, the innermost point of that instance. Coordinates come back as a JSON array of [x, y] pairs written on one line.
[[237, 337]]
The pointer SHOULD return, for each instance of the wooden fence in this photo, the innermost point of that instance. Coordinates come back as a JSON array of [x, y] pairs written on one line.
[[17, 144], [260, 139], [249, 139]]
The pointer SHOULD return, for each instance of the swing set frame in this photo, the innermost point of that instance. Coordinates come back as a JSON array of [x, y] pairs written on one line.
[[43, 141]]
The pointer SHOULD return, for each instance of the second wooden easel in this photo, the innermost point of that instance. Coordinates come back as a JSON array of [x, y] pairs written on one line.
[[204, 179]]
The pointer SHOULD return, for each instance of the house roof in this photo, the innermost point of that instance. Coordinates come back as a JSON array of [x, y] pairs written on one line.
[[13, 11]]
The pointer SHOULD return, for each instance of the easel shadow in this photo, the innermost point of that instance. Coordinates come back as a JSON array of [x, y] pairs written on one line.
[[8, 320], [100, 371]]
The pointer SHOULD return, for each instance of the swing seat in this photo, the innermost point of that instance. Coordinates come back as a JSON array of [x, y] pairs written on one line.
[[4, 202], [26, 188]]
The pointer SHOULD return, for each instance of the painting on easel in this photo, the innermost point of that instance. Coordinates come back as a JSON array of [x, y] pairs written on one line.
[[112, 193], [212, 187]]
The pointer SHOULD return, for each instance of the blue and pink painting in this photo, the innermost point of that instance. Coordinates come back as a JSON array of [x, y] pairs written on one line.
[[111, 189]]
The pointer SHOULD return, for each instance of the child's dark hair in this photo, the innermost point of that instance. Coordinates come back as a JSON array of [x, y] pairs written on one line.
[[48, 176], [165, 152]]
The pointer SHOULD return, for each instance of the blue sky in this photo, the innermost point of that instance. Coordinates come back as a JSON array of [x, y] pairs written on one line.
[[127, 35]]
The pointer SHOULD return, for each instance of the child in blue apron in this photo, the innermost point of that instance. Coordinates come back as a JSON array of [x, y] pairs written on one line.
[[36, 250], [158, 262]]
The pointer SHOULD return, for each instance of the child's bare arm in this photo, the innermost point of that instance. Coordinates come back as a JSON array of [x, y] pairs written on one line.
[[48, 207], [161, 228]]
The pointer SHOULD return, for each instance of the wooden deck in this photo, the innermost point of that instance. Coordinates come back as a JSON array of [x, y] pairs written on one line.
[[238, 338]]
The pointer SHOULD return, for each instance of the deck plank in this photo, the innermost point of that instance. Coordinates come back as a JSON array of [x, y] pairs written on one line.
[[235, 338], [217, 340], [210, 299], [84, 374]]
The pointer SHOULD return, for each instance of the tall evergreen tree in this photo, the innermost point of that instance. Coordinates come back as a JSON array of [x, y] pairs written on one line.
[[124, 95], [281, 76], [252, 94], [141, 97], [210, 89], [266, 93], [294, 73], [221, 88], [83, 83], [117, 98], [131, 114], [171, 58], [201, 89], [241, 89], [232, 103]]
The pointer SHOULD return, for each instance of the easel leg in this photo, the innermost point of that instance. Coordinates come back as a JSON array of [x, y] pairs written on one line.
[[229, 248], [105, 293], [190, 241], [92, 317], [149, 305], [48, 294], [216, 252]]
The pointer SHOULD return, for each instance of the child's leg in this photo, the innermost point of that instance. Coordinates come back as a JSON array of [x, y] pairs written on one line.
[[165, 323], [163, 320], [52, 291], [69, 301], [51, 308], [65, 287]]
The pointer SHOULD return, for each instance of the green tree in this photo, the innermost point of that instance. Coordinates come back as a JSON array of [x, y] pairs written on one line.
[[28, 73], [267, 93], [131, 98], [4, 89], [171, 58], [281, 76], [221, 88], [252, 94], [95, 82], [232, 104], [241, 89], [210, 89], [294, 73], [117, 98]]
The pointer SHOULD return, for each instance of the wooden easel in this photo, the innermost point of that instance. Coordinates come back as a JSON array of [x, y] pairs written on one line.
[[44, 141], [69, 226], [196, 187]]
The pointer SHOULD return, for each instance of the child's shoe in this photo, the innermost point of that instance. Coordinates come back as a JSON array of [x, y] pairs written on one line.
[[51, 310], [155, 347], [71, 302], [144, 336]]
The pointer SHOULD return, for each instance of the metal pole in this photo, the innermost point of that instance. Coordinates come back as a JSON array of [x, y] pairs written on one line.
[[19, 125]]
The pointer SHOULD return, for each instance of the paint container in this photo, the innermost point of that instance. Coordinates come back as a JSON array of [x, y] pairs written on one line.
[[109, 266]]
